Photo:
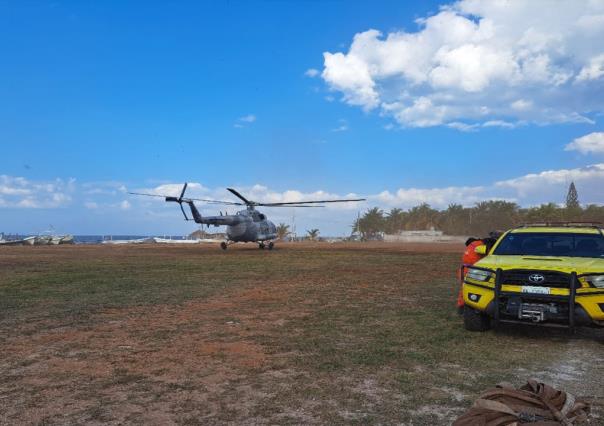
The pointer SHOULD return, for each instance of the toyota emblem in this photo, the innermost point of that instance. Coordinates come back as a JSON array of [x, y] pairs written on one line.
[[536, 278]]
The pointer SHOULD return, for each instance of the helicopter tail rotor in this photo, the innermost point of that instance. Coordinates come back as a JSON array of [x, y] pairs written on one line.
[[190, 201], [181, 200]]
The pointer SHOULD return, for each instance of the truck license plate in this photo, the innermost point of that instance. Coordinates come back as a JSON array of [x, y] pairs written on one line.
[[535, 289]]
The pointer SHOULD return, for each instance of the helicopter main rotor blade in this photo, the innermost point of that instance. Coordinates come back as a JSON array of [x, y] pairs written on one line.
[[149, 195], [287, 205], [184, 188], [297, 203], [241, 197], [230, 203]]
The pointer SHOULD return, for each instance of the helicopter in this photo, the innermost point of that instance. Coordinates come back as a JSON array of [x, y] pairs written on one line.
[[245, 226]]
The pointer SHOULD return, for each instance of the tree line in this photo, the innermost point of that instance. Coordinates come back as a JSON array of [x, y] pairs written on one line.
[[477, 220]]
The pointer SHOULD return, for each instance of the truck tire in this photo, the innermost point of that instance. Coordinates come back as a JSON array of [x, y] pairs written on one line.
[[474, 320]]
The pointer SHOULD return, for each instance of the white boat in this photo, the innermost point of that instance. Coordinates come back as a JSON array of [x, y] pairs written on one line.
[[67, 239], [11, 242], [117, 242], [171, 241], [29, 241], [135, 241], [42, 240], [148, 240]]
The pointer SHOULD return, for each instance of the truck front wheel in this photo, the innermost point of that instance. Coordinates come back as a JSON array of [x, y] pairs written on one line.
[[474, 320]]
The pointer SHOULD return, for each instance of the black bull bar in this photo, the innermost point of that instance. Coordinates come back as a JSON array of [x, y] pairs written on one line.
[[576, 314]]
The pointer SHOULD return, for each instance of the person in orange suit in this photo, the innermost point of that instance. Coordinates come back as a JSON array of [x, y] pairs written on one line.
[[469, 257]]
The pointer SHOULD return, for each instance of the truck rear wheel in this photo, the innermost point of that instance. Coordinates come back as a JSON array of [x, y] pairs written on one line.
[[474, 320]]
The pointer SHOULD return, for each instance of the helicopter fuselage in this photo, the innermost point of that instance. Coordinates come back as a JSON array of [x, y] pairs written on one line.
[[245, 226], [252, 226]]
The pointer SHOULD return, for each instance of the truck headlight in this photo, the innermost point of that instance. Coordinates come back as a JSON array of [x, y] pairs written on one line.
[[595, 280], [480, 275]]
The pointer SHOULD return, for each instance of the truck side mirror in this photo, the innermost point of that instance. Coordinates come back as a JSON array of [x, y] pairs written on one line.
[[481, 250]]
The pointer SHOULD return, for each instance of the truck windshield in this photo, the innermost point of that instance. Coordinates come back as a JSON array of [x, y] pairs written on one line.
[[551, 244]]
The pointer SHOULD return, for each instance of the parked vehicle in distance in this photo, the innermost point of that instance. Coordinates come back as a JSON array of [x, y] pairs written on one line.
[[548, 274]]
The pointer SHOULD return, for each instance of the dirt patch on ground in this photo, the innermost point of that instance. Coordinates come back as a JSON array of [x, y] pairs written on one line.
[[311, 333]]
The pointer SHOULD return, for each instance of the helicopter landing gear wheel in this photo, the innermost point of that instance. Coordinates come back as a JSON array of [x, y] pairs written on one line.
[[223, 245], [261, 246], [271, 245]]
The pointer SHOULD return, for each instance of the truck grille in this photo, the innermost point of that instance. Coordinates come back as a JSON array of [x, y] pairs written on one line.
[[521, 277]]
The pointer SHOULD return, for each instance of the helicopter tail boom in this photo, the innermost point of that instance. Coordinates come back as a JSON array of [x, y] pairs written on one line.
[[197, 217]]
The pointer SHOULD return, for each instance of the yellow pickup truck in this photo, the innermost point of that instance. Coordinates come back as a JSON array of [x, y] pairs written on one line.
[[547, 274]]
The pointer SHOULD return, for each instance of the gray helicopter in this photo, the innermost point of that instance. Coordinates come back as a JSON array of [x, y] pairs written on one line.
[[245, 226]]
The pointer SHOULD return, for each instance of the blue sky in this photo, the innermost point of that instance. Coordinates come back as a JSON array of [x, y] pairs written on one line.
[[99, 97]]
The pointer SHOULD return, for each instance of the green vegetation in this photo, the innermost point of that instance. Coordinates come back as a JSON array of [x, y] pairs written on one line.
[[478, 220], [282, 231], [313, 234]]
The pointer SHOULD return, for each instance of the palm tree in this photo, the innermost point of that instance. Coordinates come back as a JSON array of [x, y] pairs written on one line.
[[282, 231], [371, 223], [455, 220], [422, 217], [494, 214], [312, 234], [544, 213], [395, 220]]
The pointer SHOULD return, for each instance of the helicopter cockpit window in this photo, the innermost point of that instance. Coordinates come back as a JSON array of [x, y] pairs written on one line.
[[262, 217]]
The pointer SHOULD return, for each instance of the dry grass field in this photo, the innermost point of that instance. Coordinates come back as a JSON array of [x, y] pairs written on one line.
[[304, 334]]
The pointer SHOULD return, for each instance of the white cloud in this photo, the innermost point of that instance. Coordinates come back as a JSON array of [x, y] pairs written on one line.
[[594, 70], [250, 118], [530, 189], [125, 205], [174, 189], [551, 184], [500, 123], [521, 105], [18, 192], [103, 188], [351, 75], [311, 72], [464, 127], [593, 142], [436, 197], [244, 121], [342, 126], [480, 63]]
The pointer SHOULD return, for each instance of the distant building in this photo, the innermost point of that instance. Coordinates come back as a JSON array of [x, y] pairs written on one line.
[[201, 235], [423, 236]]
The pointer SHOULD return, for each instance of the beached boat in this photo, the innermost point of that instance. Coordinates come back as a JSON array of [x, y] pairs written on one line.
[[42, 240], [67, 239], [171, 241], [29, 241], [133, 241], [11, 242]]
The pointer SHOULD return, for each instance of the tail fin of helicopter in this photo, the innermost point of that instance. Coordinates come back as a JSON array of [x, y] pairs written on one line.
[[196, 215]]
